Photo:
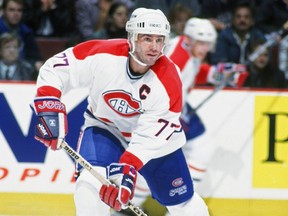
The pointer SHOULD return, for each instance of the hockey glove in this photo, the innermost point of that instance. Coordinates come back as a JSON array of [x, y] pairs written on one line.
[[123, 175], [51, 126], [232, 74]]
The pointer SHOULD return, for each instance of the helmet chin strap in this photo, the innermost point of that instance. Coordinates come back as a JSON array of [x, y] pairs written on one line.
[[131, 53], [137, 60]]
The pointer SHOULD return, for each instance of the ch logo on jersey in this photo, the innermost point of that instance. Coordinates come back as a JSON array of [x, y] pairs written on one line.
[[122, 103]]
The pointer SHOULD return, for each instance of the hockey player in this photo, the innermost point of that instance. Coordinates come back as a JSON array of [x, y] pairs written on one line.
[[132, 120]]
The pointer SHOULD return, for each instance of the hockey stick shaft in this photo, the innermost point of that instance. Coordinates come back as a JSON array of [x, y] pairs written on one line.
[[77, 157], [215, 90]]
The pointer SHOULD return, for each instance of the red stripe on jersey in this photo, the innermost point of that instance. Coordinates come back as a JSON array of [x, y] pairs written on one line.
[[48, 91], [125, 134], [105, 120], [195, 168], [167, 73], [180, 56], [129, 158], [242, 77], [119, 47], [202, 75]]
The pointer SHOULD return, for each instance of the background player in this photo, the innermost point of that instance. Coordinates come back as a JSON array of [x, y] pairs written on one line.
[[132, 120]]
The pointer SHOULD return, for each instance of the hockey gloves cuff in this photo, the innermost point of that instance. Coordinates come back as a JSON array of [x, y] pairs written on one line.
[[230, 74], [51, 125], [123, 175]]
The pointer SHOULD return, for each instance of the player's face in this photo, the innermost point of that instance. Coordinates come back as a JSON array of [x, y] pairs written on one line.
[[148, 48], [200, 49]]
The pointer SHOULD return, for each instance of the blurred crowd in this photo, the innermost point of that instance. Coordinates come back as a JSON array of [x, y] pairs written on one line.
[[250, 32]]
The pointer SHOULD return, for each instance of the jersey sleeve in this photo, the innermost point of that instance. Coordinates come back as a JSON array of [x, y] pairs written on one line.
[[75, 67], [64, 72]]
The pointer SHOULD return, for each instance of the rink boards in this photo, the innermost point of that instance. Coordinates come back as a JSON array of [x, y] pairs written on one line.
[[248, 171]]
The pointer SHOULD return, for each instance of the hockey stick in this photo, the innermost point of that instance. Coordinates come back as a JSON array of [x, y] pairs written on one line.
[[77, 157], [215, 90]]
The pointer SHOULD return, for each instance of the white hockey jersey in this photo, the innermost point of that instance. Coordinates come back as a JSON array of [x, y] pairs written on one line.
[[142, 111]]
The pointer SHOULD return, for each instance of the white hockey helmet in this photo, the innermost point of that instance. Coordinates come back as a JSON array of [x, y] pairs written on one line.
[[147, 21], [200, 29]]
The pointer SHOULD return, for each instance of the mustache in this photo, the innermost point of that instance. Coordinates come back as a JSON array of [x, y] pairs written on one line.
[[243, 23]]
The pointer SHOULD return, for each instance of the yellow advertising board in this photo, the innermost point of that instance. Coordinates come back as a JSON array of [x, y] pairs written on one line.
[[270, 154]]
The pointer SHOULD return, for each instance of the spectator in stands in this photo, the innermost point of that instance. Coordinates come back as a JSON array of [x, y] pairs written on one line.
[[283, 54], [167, 5], [129, 3], [163, 5], [219, 12], [11, 21], [11, 66], [115, 23], [283, 57], [1, 3], [234, 42], [271, 16], [50, 18], [178, 16], [91, 16], [262, 74]]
